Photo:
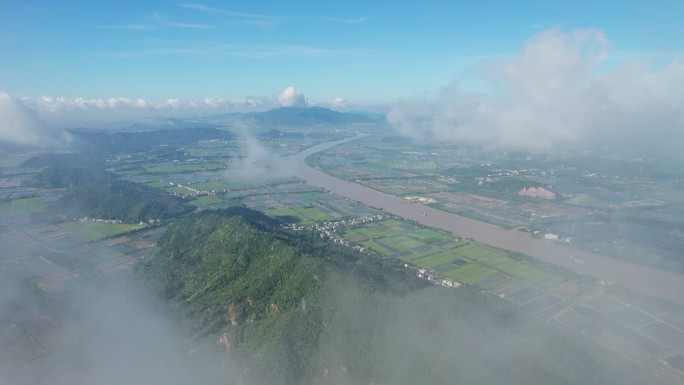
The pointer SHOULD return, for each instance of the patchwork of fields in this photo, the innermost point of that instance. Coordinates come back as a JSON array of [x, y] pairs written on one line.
[[461, 260]]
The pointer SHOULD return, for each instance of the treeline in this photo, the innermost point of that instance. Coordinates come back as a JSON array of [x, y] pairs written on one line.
[[102, 142], [93, 192], [289, 308]]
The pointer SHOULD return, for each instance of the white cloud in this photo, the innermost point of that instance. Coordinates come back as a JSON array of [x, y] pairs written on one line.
[[339, 103], [289, 97], [556, 91], [269, 21], [59, 108], [20, 125]]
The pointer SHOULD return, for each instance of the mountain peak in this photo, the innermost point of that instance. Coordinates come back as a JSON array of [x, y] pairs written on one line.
[[294, 116]]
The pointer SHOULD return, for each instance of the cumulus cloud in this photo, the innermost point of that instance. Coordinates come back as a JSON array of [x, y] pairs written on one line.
[[289, 97], [556, 91], [339, 103], [20, 125]]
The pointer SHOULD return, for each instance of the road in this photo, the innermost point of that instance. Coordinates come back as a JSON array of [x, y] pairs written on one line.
[[659, 283]]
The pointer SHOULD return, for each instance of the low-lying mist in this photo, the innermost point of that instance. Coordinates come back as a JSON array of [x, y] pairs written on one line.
[[255, 160], [101, 333]]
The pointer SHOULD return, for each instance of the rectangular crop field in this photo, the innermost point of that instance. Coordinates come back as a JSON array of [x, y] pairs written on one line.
[[22, 206], [97, 231], [301, 215], [179, 168], [206, 201]]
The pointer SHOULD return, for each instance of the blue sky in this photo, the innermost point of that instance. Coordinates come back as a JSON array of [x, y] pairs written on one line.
[[367, 52]]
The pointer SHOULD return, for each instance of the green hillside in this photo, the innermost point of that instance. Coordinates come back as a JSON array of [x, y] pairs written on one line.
[[291, 309]]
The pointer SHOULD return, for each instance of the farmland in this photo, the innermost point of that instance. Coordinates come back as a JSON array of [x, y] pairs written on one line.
[[206, 201], [23, 206], [181, 168], [552, 294], [462, 260], [97, 231], [301, 215]]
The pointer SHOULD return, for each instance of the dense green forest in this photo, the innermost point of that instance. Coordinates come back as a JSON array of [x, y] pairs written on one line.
[[102, 142], [288, 308], [95, 193]]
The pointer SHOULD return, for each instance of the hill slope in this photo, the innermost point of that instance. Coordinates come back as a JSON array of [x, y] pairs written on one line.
[[291, 309]]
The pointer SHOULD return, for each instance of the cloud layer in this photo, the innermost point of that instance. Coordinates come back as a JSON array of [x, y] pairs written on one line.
[[80, 110], [49, 104], [556, 91]]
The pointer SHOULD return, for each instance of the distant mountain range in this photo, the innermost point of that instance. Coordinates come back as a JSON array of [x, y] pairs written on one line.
[[143, 134], [301, 116]]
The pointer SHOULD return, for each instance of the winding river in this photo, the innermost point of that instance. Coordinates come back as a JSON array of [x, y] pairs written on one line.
[[659, 283]]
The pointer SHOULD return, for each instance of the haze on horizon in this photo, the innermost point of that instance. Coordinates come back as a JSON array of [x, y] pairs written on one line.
[[488, 73], [523, 75]]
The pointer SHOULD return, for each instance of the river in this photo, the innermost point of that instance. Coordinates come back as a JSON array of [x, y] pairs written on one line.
[[659, 283]]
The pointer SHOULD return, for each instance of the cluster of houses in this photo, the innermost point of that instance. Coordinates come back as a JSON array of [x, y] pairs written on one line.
[[98, 220], [115, 221], [329, 229], [194, 191], [431, 276]]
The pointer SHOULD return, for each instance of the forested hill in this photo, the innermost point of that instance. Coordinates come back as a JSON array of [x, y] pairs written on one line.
[[292, 309], [104, 143], [300, 116], [95, 193]]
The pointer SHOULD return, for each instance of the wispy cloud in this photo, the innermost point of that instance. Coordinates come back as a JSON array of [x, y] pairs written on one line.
[[253, 19], [243, 15], [356, 20], [176, 24], [166, 22], [135, 27], [158, 21], [244, 51], [268, 21]]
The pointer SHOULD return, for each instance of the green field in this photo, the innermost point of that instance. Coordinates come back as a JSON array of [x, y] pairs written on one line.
[[391, 236], [206, 201], [14, 161], [303, 215], [180, 168], [23, 206], [585, 200], [436, 259], [214, 185], [421, 167], [131, 172], [484, 261], [205, 151], [158, 184], [375, 247], [309, 197], [97, 231], [470, 274]]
